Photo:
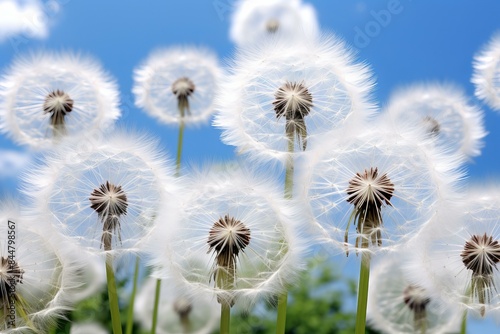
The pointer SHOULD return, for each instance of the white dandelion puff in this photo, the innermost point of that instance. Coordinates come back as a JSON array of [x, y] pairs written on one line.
[[254, 20], [35, 276], [460, 251], [397, 305], [179, 314], [236, 238], [279, 88], [178, 84], [386, 185], [105, 194], [486, 75], [442, 111], [49, 95]]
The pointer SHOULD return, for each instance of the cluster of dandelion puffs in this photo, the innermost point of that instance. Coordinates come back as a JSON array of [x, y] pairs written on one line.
[[355, 182]]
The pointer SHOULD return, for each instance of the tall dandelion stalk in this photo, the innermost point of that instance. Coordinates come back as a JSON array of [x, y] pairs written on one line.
[[294, 102]]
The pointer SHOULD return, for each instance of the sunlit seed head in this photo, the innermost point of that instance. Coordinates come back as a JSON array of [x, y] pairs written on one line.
[[369, 188], [294, 101], [272, 25], [432, 125], [183, 307], [110, 202], [58, 104], [227, 237], [368, 192], [10, 275], [481, 254]]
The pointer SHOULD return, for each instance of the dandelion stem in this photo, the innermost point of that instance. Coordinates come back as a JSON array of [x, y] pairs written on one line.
[[283, 298], [225, 312], [130, 312], [155, 309], [179, 149], [113, 296], [463, 327], [364, 278]]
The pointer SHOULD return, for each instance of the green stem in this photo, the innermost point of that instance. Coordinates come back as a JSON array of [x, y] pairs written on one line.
[[463, 327], [179, 149], [364, 278], [283, 298], [155, 309], [225, 312], [113, 295], [130, 312]]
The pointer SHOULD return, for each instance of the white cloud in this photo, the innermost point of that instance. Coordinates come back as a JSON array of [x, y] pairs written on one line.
[[13, 162], [30, 18]]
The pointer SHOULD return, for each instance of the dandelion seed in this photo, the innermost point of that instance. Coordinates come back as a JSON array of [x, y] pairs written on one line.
[[183, 88], [294, 101], [58, 104], [368, 192], [47, 96], [226, 239], [480, 255], [110, 202]]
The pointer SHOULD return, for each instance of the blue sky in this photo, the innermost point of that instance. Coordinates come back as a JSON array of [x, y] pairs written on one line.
[[422, 41]]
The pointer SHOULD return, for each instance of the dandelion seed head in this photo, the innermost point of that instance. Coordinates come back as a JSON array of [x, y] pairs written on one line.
[[235, 239], [387, 186], [398, 304], [252, 21], [182, 306], [107, 194], [183, 87], [46, 96], [443, 112], [272, 25], [486, 76], [278, 88], [178, 84]]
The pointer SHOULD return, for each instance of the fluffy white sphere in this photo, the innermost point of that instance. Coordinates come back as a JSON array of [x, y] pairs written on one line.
[[156, 82], [486, 75], [47, 95]]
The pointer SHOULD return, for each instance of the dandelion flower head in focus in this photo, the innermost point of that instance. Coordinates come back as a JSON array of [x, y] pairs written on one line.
[[460, 252], [486, 75], [255, 20], [279, 91], [47, 96], [444, 112], [236, 239], [104, 194], [374, 191], [178, 85]]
